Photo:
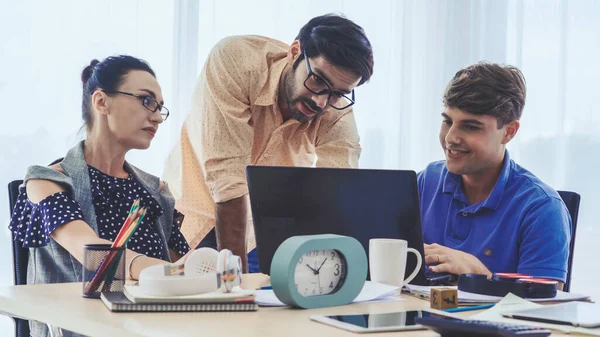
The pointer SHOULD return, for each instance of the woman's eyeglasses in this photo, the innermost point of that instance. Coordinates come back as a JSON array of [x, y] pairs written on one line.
[[147, 101]]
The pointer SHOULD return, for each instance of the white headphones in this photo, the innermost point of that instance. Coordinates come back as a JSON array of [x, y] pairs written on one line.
[[205, 270]]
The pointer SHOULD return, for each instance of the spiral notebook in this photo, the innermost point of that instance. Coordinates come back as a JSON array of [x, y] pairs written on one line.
[[118, 302]]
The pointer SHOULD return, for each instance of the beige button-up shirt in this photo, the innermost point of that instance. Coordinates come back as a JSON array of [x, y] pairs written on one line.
[[235, 121]]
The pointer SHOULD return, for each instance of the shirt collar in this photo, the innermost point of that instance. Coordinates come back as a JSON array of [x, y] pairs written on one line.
[[495, 196], [75, 166], [452, 185], [270, 90]]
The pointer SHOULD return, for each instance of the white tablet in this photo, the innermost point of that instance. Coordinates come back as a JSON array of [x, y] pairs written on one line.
[[379, 322], [582, 314]]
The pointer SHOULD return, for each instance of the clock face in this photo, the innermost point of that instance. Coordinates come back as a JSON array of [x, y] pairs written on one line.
[[320, 272]]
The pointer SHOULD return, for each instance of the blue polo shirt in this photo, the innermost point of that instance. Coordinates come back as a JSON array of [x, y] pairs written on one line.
[[523, 226]]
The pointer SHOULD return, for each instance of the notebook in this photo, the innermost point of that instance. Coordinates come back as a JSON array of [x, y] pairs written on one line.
[[117, 302], [136, 295]]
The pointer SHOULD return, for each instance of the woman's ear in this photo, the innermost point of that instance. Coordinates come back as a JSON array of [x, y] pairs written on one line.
[[100, 102], [294, 52]]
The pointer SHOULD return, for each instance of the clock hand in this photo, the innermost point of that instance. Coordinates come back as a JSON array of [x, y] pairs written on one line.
[[321, 265], [311, 268], [319, 280]]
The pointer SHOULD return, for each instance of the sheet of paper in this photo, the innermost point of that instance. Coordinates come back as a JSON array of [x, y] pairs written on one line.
[[372, 291], [267, 298], [513, 303], [465, 297]]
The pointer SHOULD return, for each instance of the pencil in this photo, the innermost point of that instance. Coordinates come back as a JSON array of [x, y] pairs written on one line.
[[473, 307], [133, 225], [107, 269], [130, 217]]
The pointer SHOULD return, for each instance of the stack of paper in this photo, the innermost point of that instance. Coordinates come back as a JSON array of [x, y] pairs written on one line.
[[371, 291], [514, 303], [471, 298]]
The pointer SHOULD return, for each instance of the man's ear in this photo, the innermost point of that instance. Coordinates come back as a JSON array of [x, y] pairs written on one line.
[[100, 102], [510, 131], [294, 52]]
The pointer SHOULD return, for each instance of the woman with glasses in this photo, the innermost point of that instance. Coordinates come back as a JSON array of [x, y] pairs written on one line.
[[86, 196]]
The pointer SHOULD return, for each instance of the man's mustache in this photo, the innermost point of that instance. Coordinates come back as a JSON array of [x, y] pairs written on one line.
[[311, 104]]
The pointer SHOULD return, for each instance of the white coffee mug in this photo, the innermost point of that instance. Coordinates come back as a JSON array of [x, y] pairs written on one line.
[[387, 261]]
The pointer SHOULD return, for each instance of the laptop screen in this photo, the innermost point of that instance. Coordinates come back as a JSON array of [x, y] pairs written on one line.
[[364, 204]]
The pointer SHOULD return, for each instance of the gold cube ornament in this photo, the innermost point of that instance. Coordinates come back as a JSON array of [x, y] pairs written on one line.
[[443, 298]]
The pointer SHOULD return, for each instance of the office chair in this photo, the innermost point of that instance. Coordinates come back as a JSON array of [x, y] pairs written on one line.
[[20, 259], [571, 200]]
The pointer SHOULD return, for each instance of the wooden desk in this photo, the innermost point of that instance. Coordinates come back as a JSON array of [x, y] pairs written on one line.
[[62, 305]]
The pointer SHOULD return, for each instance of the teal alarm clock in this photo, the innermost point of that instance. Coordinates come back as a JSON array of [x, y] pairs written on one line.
[[313, 271]]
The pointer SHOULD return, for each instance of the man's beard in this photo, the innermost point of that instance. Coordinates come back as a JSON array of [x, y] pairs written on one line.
[[293, 111]]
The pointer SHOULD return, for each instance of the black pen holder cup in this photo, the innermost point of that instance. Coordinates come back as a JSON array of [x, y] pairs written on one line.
[[103, 269]]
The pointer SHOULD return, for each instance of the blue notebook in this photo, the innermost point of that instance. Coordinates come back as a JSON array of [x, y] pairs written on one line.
[[117, 302]]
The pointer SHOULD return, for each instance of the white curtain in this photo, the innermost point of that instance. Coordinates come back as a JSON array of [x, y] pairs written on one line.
[[418, 47]]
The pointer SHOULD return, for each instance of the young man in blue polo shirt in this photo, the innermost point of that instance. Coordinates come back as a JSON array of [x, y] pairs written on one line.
[[481, 212]]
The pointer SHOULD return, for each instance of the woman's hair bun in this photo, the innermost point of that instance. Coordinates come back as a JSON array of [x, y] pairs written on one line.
[[87, 71]]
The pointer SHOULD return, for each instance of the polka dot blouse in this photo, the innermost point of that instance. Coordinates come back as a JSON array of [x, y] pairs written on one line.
[[112, 197]]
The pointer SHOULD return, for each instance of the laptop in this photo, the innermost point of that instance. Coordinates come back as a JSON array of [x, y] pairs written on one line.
[[361, 203]]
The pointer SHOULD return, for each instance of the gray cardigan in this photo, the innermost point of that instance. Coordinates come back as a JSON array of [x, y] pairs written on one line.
[[52, 263]]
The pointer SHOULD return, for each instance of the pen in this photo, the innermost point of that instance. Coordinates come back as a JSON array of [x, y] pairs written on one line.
[[266, 288], [473, 307]]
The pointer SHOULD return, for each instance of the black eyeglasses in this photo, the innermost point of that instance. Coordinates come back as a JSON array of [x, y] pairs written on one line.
[[147, 101], [318, 86]]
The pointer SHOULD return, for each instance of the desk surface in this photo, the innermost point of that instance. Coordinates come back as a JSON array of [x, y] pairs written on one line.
[[62, 305]]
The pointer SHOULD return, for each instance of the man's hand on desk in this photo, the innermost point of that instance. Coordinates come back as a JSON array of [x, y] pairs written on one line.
[[453, 261]]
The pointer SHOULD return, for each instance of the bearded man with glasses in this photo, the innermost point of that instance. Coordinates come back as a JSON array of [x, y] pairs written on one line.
[[259, 101]]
